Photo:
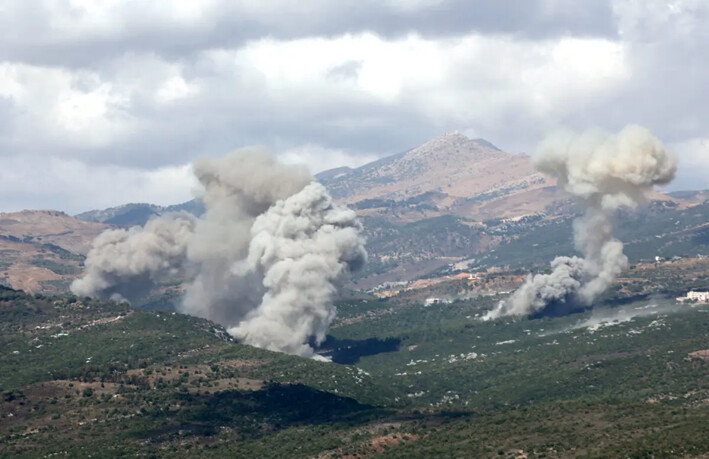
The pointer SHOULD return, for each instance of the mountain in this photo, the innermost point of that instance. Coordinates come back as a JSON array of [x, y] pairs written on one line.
[[409, 377], [690, 197], [455, 198], [450, 199], [451, 174], [127, 214], [427, 207], [137, 213], [42, 251]]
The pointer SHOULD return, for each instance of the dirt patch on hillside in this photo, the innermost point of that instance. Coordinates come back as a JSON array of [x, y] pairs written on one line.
[[702, 355], [200, 378]]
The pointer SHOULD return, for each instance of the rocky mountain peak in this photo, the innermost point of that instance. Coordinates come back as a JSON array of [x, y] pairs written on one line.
[[455, 141], [450, 167], [449, 149]]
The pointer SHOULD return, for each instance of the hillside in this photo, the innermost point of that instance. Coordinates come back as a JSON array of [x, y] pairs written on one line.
[[81, 375], [451, 174], [43, 250], [136, 213], [448, 200], [454, 198], [403, 251], [409, 377], [84, 377], [50, 227]]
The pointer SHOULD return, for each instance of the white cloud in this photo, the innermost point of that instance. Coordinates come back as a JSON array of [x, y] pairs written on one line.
[[59, 106], [174, 89], [694, 158], [134, 88], [454, 83], [453, 78], [72, 186], [319, 159]]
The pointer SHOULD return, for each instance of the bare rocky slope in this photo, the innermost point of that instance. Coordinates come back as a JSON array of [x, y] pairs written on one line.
[[42, 250], [451, 174]]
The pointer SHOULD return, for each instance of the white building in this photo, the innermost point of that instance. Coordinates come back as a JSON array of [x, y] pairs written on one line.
[[699, 297], [702, 297], [433, 300]]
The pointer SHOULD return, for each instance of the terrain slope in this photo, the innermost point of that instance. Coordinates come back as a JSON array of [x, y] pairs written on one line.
[[451, 174], [42, 250]]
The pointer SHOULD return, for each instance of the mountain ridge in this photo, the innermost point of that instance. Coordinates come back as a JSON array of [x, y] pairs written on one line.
[[137, 213], [416, 171], [450, 174], [413, 176], [451, 198]]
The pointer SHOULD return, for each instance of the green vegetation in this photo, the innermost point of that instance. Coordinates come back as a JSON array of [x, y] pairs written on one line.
[[456, 359], [445, 236], [62, 253], [659, 230], [54, 266], [81, 376]]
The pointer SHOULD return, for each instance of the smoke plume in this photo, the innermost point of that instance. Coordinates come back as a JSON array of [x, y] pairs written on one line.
[[301, 247], [124, 264], [264, 260], [605, 172], [235, 190]]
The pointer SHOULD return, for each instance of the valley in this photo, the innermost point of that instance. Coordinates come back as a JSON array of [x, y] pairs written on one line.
[[107, 379], [414, 371]]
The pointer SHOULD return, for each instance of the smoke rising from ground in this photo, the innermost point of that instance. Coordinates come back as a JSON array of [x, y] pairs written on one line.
[[601, 319], [605, 172], [124, 264], [235, 190], [264, 260], [301, 246]]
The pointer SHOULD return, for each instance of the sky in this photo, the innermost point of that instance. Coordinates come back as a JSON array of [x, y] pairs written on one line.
[[108, 102]]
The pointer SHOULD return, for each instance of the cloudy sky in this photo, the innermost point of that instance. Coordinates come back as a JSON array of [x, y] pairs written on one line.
[[107, 102]]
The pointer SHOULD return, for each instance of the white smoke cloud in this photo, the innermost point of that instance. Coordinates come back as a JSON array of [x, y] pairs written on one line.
[[601, 319], [264, 260], [302, 246], [605, 172], [235, 190], [124, 264]]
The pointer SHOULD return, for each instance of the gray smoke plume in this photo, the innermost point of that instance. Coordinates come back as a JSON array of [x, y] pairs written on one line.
[[605, 172], [301, 246], [264, 259], [124, 265], [235, 190]]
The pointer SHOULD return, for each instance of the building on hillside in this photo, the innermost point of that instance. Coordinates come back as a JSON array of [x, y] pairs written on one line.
[[433, 300], [695, 297]]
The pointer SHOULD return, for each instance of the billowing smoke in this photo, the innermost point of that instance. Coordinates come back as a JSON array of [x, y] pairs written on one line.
[[264, 260], [605, 172], [235, 190], [600, 319], [301, 246], [124, 265]]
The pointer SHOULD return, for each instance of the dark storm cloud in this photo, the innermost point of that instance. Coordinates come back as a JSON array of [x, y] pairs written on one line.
[[30, 32]]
